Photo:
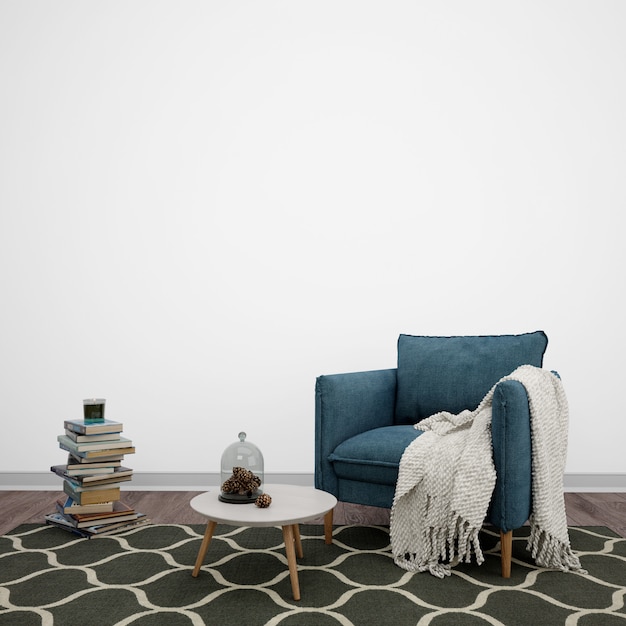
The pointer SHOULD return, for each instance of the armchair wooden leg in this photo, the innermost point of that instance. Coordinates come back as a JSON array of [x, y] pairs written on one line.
[[506, 552]]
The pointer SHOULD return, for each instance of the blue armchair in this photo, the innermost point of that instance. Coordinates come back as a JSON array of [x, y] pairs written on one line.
[[364, 420]]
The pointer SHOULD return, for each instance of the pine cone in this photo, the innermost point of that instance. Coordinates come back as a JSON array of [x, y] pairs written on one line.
[[263, 501], [242, 473], [227, 486]]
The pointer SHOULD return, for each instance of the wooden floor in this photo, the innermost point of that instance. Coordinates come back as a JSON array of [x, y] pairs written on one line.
[[172, 507]]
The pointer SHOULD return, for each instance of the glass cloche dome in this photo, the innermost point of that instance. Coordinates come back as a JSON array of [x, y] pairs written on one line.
[[241, 472]]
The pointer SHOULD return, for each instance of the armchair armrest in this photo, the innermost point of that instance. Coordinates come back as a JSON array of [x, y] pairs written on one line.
[[346, 405], [510, 424]]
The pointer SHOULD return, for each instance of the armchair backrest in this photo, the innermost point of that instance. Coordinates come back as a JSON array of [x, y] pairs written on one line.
[[455, 373]]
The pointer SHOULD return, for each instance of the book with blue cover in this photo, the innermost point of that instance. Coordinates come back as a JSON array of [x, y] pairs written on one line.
[[99, 449], [99, 476], [59, 520], [73, 508], [94, 428], [90, 495], [74, 436], [84, 446]]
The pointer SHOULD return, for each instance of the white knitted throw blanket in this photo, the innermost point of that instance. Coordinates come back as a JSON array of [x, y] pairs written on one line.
[[447, 476]]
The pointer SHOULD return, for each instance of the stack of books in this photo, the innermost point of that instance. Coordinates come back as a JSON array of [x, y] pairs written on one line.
[[92, 479]]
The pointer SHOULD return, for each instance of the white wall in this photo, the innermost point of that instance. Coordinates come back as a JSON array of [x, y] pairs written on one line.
[[205, 205]]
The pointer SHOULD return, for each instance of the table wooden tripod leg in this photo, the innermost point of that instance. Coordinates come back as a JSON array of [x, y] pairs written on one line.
[[288, 536], [204, 546], [328, 527], [297, 541]]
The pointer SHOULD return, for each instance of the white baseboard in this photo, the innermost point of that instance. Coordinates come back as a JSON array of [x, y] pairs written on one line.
[[200, 481], [594, 482]]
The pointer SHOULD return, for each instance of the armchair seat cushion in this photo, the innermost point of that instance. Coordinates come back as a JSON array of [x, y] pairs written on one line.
[[373, 456]]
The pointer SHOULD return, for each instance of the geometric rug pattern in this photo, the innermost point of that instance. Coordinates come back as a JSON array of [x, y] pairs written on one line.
[[143, 577]]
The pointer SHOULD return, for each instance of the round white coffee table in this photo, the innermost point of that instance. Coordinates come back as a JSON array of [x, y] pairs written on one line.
[[290, 506]]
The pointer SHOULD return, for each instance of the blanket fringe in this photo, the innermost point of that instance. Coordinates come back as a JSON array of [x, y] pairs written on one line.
[[550, 552], [446, 545]]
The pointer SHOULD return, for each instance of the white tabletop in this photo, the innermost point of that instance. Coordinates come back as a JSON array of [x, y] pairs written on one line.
[[291, 504]]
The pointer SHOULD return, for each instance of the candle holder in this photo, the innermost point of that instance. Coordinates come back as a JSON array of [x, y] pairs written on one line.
[[93, 410]]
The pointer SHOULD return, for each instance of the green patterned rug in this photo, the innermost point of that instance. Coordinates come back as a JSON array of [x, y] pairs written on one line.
[[48, 576]]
